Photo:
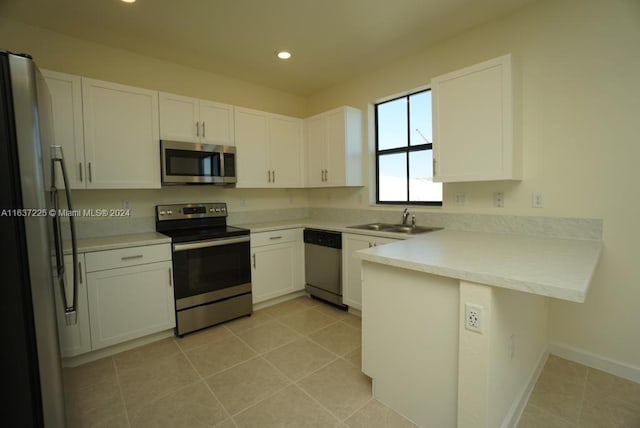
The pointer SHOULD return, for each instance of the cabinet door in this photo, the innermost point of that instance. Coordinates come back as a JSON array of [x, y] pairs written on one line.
[[316, 151], [473, 125], [351, 266], [251, 148], [179, 118], [285, 150], [336, 161], [74, 339], [131, 302], [216, 123], [121, 136], [274, 271], [66, 100]]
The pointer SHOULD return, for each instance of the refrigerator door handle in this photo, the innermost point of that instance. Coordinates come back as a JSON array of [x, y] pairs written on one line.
[[70, 312]]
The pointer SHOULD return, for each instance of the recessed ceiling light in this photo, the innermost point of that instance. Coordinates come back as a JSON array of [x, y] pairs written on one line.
[[129, 1], [284, 55]]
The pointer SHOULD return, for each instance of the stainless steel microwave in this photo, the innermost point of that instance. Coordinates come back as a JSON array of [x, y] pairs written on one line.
[[195, 163]]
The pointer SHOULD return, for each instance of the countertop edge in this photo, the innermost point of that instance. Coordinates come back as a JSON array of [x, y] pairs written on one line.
[[576, 292]]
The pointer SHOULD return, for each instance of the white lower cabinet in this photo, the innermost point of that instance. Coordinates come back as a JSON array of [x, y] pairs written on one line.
[[130, 293], [74, 339], [351, 265], [276, 263]]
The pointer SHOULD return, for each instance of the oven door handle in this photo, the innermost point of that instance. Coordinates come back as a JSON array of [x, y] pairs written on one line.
[[209, 243]]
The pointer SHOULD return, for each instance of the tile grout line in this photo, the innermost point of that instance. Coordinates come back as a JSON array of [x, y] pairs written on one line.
[[206, 384], [294, 382], [124, 404]]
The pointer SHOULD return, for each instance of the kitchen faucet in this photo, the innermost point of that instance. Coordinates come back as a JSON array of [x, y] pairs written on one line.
[[405, 215]]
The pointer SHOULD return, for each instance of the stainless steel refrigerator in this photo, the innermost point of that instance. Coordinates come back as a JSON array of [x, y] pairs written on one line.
[[32, 249]]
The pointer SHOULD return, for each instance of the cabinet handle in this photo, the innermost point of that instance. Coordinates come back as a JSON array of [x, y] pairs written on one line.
[[138, 256], [197, 129], [80, 169], [322, 175], [370, 245], [170, 279], [326, 175], [90, 174], [204, 132], [80, 271], [254, 260], [273, 174], [275, 237], [434, 166]]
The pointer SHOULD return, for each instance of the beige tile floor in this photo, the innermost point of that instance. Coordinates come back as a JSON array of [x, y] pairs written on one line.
[[297, 364], [569, 394]]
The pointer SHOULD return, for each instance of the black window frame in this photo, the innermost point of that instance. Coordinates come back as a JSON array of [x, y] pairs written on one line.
[[407, 149]]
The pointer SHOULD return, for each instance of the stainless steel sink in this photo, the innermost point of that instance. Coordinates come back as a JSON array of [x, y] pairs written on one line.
[[374, 226], [395, 228]]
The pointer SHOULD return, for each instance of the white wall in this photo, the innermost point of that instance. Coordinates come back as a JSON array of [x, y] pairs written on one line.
[[580, 62]]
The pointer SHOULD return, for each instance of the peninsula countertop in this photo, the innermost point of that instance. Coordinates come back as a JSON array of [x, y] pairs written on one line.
[[553, 267]]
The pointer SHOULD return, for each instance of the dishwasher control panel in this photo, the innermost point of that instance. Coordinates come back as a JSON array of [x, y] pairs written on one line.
[[324, 238]]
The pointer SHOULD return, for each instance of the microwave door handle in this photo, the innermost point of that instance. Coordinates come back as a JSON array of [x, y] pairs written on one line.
[[70, 310]]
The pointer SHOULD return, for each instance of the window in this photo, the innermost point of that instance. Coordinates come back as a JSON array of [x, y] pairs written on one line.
[[404, 154]]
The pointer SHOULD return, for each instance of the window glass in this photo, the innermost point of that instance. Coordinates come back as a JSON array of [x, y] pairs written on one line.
[[420, 118], [393, 177], [392, 124], [404, 151], [421, 185]]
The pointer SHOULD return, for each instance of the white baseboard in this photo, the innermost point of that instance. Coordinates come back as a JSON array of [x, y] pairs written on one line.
[[617, 368], [115, 349], [279, 299], [512, 417], [577, 355]]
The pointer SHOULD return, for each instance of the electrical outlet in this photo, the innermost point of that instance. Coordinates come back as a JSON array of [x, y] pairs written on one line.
[[498, 200], [461, 198], [537, 200], [473, 317]]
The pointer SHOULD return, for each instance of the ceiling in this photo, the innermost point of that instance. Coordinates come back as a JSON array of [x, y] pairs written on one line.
[[331, 40]]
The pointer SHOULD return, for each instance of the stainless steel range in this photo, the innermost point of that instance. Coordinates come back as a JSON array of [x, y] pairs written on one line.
[[211, 264]]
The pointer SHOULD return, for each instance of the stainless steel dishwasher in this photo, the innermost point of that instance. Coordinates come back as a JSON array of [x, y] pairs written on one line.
[[323, 265]]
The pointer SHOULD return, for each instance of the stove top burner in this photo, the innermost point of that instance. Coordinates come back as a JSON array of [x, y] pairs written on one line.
[[189, 235], [195, 222]]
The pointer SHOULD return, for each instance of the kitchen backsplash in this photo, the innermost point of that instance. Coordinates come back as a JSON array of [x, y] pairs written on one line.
[[556, 227]]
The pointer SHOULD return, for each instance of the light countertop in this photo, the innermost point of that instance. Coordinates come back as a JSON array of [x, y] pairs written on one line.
[[320, 224], [559, 268], [118, 241]]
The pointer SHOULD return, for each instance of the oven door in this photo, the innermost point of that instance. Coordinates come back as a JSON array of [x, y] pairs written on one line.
[[206, 271]]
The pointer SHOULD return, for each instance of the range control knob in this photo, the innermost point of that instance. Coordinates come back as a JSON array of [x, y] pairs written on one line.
[[162, 212], [169, 212]]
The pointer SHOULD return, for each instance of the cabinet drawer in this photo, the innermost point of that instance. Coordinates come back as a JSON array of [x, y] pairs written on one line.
[[123, 257], [275, 237]]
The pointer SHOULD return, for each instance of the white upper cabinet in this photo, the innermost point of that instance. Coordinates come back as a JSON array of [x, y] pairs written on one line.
[[334, 148], [193, 120], [473, 124], [66, 100], [269, 149], [121, 136]]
